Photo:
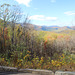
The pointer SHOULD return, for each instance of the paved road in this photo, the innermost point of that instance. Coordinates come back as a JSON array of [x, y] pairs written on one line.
[[17, 74]]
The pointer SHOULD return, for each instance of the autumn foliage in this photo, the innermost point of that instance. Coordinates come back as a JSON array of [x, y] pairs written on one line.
[[23, 47]]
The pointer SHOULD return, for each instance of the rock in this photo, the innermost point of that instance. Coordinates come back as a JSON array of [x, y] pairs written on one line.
[[64, 73], [37, 71], [8, 69]]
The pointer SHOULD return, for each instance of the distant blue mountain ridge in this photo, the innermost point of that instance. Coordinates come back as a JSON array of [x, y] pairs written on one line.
[[53, 28]]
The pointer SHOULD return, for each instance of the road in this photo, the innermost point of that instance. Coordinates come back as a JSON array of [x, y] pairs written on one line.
[[7, 73]]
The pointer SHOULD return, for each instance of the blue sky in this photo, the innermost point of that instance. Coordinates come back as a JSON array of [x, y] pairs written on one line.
[[47, 12]]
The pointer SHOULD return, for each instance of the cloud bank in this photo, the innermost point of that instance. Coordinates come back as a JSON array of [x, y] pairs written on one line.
[[25, 2], [69, 13], [42, 18]]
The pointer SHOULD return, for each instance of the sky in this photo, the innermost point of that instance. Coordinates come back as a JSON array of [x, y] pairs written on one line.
[[47, 12]]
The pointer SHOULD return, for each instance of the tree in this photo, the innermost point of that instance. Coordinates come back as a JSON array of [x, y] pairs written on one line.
[[9, 15], [4, 15], [15, 18]]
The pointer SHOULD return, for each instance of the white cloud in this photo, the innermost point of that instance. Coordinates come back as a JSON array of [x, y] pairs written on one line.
[[26, 2], [69, 13], [53, 1], [51, 18], [37, 17], [42, 18]]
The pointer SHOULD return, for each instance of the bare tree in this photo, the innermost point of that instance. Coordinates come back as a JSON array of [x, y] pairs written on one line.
[[15, 18]]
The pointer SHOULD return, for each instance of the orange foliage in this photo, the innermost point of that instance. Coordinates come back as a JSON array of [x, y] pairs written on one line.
[[45, 44], [5, 35], [67, 38], [59, 37]]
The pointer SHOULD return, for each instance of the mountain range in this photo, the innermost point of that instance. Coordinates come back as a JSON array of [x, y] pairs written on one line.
[[53, 28]]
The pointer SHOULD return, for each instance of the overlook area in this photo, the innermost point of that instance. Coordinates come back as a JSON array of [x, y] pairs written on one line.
[[25, 45]]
